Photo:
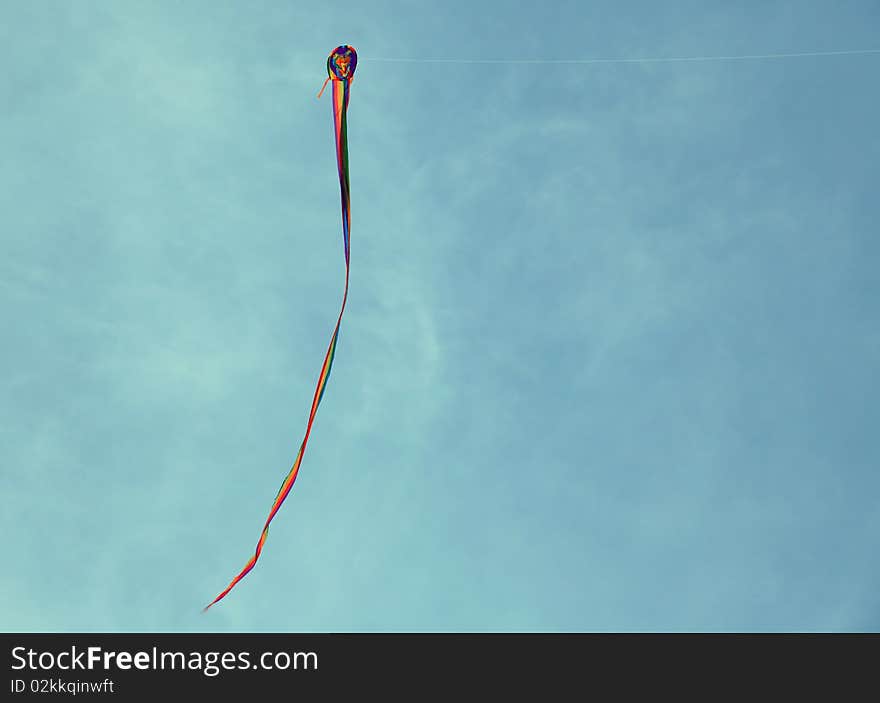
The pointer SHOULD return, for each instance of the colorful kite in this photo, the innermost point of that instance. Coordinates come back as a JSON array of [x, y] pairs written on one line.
[[340, 69]]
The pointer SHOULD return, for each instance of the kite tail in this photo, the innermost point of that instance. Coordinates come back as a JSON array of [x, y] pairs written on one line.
[[340, 106]]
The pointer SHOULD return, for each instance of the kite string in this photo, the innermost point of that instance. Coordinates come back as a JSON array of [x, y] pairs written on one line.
[[647, 59]]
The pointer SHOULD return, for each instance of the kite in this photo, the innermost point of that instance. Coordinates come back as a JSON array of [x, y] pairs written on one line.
[[340, 70]]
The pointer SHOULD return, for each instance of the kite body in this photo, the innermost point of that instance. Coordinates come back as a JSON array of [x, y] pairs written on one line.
[[342, 62], [341, 65]]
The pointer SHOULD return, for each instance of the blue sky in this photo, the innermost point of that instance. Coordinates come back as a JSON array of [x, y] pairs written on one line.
[[610, 359]]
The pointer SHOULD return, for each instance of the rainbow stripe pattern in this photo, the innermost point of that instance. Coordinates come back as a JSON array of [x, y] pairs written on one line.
[[341, 65]]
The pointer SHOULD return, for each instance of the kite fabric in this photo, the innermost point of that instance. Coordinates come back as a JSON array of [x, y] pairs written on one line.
[[340, 70]]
